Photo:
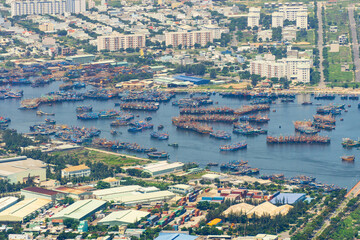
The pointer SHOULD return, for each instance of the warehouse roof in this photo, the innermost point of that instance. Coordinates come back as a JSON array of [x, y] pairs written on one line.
[[288, 198], [265, 208], [41, 191], [71, 190], [181, 186], [6, 201], [137, 197], [76, 168], [124, 217], [239, 208], [116, 190], [10, 166], [19, 211], [194, 80], [162, 165], [79, 209], [175, 236]]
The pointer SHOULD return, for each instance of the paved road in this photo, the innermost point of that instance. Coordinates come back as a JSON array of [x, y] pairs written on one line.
[[355, 43], [320, 45]]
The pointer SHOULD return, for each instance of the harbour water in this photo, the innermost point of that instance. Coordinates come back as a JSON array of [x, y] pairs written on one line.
[[320, 161]]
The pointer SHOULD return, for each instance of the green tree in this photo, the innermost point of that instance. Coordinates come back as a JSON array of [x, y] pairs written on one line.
[[102, 185]]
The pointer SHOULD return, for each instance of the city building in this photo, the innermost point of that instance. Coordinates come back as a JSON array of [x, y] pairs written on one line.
[[81, 59], [215, 30], [80, 210], [117, 41], [7, 202], [188, 38], [113, 192], [194, 80], [277, 19], [112, 181], [36, 192], [287, 198], [181, 189], [76, 171], [22, 209], [124, 217], [74, 193], [302, 20], [42, 7], [136, 198], [18, 169], [292, 68], [254, 17], [162, 168], [46, 27], [291, 11]]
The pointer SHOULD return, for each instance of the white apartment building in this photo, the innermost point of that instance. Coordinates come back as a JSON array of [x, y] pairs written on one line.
[[253, 17], [290, 12], [116, 42], [277, 19], [42, 7], [76, 171], [215, 30], [188, 38], [302, 20], [295, 69]]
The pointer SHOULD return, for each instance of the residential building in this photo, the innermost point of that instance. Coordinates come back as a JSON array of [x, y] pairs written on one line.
[[295, 69], [181, 189], [18, 169], [36, 192], [46, 27], [42, 7], [215, 30], [277, 19], [342, 39], [290, 12], [253, 17], [112, 181], [116, 42], [76, 171], [188, 38], [289, 33], [302, 20]]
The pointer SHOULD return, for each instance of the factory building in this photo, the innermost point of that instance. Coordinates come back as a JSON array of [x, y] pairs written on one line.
[[74, 193], [36, 192], [135, 198], [80, 210], [18, 169], [123, 217], [163, 167], [23, 209], [7, 202], [181, 189]]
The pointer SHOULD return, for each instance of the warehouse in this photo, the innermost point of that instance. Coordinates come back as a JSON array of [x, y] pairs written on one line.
[[163, 167], [18, 169], [36, 192], [194, 80], [19, 211], [7, 202], [181, 189], [287, 198], [113, 192], [81, 59], [80, 210], [74, 193], [143, 198], [123, 217]]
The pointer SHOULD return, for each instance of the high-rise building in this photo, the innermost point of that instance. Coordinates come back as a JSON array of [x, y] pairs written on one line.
[[302, 20], [291, 11], [42, 7], [116, 42], [277, 19], [293, 68], [188, 38], [254, 17]]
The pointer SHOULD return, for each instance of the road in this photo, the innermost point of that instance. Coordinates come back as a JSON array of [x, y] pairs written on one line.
[[320, 45], [355, 43]]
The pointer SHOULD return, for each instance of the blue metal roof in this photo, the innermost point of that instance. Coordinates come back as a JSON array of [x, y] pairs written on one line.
[[175, 236], [288, 198], [194, 80]]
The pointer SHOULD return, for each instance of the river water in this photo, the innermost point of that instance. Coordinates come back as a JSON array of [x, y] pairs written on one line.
[[320, 161]]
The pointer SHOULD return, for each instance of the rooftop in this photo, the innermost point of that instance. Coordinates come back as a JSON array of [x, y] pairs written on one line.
[[79, 209], [116, 190], [11, 166], [175, 236], [6, 201], [41, 190], [162, 165], [126, 216], [76, 168], [71, 190], [287, 198]]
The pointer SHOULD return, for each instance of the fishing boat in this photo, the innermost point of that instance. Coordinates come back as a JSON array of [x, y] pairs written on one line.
[[50, 121], [348, 158], [160, 127], [148, 118], [4, 120], [41, 113], [173, 145], [118, 123], [306, 103], [221, 135], [88, 116], [159, 136], [212, 164], [349, 143], [113, 132], [84, 108], [234, 146], [135, 129], [158, 155]]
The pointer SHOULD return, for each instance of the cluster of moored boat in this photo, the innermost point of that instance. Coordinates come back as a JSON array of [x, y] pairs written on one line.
[[247, 130], [236, 167], [99, 115], [9, 93], [298, 139]]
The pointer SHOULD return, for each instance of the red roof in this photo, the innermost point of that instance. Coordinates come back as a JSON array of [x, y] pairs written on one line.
[[41, 190]]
